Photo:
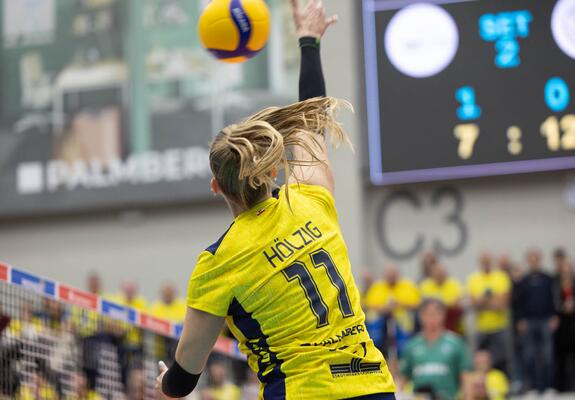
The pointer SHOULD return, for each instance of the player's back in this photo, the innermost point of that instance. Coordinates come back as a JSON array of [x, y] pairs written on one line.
[[282, 278]]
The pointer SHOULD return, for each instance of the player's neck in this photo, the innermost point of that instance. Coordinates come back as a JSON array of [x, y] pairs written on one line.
[[237, 209]]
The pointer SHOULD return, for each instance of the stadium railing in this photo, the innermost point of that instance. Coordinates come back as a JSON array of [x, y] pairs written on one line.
[[59, 342]]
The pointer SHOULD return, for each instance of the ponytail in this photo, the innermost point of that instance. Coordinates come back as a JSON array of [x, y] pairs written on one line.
[[244, 157]]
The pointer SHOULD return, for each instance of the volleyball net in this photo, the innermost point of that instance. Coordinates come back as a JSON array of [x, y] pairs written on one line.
[[58, 342]]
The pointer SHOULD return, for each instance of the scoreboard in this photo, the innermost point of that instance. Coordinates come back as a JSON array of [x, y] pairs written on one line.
[[459, 89]]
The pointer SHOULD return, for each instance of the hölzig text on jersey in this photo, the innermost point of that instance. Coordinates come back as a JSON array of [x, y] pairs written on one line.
[[284, 248]]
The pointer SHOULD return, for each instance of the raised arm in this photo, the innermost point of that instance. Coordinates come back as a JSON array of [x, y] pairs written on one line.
[[311, 24]]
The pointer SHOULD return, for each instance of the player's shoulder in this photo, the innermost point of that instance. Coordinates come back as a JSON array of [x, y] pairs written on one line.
[[218, 253], [314, 193], [305, 188], [214, 247]]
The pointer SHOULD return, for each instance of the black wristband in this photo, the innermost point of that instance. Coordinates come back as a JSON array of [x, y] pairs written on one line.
[[308, 41], [177, 382]]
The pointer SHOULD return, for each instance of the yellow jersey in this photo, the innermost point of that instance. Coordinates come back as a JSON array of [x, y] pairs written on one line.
[[282, 278], [448, 292], [481, 284]]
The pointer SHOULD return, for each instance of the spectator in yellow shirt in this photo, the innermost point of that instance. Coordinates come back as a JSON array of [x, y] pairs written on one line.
[[488, 383], [441, 287], [490, 293], [394, 299], [128, 296], [170, 306], [447, 290]]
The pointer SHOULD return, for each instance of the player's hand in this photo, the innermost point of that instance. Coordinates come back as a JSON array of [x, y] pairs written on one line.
[[311, 21]]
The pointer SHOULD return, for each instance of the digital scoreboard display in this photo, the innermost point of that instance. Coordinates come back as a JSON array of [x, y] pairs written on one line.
[[459, 89]]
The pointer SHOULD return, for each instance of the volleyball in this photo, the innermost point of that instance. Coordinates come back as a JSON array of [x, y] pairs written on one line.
[[234, 30]]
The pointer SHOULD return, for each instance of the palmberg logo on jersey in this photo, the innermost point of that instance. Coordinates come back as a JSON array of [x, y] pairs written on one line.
[[355, 367]]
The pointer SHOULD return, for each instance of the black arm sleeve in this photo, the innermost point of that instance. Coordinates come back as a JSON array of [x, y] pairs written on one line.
[[311, 81], [177, 382]]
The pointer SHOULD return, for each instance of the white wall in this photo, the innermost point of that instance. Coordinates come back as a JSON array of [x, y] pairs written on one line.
[[501, 214], [151, 246]]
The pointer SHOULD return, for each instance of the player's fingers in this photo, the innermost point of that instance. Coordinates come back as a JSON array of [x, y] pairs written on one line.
[[321, 11], [331, 20], [311, 5], [315, 12], [296, 13], [295, 7]]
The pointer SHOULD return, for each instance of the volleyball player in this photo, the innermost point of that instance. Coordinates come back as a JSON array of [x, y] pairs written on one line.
[[280, 275]]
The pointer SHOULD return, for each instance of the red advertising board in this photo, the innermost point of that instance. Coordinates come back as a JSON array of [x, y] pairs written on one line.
[[78, 297], [160, 326], [3, 272]]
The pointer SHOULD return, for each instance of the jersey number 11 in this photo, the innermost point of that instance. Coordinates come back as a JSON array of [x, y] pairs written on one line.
[[299, 271]]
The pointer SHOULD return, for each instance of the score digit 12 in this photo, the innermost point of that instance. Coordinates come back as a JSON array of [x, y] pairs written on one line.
[[560, 134]]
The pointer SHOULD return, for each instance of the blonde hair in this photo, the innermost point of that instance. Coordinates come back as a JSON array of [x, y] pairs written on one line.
[[244, 156]]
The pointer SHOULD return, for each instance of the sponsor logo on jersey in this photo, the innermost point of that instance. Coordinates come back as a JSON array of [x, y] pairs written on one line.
[[355, 367], [350, 331]]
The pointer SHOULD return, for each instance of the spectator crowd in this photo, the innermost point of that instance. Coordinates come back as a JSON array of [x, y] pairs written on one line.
[[55, 351], [508, 329]]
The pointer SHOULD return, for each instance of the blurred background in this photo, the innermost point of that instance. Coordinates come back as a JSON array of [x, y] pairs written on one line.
[[464, 136]]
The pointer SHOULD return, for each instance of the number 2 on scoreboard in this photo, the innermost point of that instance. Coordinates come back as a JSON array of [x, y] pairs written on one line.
[[467, 135]]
